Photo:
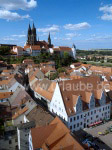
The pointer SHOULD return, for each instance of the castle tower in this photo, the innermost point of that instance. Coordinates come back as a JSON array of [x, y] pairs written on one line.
[[49, 39], [74, 51]]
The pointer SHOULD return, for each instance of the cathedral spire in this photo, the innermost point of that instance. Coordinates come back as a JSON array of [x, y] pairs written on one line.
[[49, 39], [29, 29], [33, 26], [29, 35]]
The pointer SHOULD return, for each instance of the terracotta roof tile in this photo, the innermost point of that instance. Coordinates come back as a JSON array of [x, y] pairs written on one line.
[[101, 69], [35, 47], [4, 95], [71, 90], [53, 137], [62, 48], [20, 112]]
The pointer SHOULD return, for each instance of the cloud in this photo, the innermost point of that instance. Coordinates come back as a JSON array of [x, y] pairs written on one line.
[[106, 8], [62, 39], [99, 37], [79, 26], [17, 4], [107, 12], [71, 35], [7, 8], [9, 39], [13, 37], [53, 28], [8, 15], [19, 36]]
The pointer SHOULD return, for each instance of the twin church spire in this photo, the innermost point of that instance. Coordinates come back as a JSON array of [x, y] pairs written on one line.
[[32, 36]]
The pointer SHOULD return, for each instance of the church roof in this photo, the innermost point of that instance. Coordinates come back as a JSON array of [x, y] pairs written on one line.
[[35, 47]]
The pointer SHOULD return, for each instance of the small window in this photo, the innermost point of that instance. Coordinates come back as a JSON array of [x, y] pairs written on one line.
[[74, 125], [74, 118], [81, 123], [10, 142], [70, 127], [81, 116], [96, 116], [95, 111], [16, 140], [91, 112], [77, 124], [70, 119], [77, 117]]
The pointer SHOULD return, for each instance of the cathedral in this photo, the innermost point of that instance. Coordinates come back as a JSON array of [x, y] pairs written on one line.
[[32, 38], [34, 47]]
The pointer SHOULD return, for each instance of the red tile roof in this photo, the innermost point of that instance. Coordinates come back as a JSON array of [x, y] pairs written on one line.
[[75, 88], [53, 137], [35, 47], [62, 48]]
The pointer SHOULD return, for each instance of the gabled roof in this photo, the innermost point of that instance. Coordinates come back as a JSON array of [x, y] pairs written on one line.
[[62, 48], [45, 88], [18, 47], [4, 95], [101, 69], [27, 46], [46, 69], [54, 136], [35, 47], [72, 89], [20, 112]]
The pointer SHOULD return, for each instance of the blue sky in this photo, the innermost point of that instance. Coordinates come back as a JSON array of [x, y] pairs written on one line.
[[86, 23]]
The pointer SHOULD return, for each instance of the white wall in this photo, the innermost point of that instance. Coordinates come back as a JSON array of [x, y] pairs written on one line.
[[92, 115], [14, 87], [57, 105], [24, 139], [96, 114]]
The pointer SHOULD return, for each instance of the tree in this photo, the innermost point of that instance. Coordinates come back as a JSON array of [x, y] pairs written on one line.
[[66, 55], [54, 76], [4, 50], [59, 70]]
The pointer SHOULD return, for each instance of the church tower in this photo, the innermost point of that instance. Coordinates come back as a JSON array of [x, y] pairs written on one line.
[[49, 39], [29, 35], [32, 36]]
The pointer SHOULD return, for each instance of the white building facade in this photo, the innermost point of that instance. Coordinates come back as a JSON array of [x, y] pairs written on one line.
[[81, 118]]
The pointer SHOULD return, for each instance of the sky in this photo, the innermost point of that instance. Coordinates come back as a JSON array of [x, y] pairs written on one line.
[[86, 23]]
